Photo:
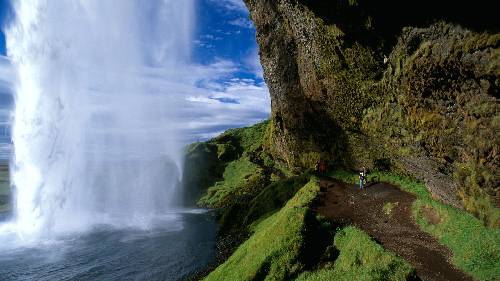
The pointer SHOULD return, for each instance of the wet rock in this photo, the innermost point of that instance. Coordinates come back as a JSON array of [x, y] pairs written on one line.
[[353, 82]]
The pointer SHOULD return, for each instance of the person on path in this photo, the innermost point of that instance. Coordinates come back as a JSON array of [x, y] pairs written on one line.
[[362, 177], [321, 168]]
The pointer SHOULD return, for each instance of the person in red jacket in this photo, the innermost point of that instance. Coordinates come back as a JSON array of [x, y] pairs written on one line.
[[322, 167]]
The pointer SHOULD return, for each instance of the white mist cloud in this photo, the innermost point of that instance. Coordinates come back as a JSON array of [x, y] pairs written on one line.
[[233, 5], [242, 22], [6, 75], [208, 98], [211, 98], [6, 81], [252, 62], [234, 103]]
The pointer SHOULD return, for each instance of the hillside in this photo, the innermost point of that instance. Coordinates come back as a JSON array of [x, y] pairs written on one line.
[[276, 224]]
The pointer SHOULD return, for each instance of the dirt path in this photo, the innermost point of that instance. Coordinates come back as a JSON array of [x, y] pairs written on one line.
[[346, 204]]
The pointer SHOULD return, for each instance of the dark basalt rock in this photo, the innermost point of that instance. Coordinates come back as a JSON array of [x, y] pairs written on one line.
[[414, 86]]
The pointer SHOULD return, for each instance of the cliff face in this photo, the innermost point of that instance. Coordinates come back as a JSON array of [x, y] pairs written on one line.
[[417, 90]]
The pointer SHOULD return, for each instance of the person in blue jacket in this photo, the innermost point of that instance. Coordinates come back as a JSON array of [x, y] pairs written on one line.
[[362, 177]]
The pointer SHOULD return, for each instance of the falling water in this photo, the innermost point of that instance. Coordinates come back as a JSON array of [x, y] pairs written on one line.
[[95, 143]]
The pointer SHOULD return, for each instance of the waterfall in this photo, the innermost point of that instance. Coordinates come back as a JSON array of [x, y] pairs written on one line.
[[94, 142]]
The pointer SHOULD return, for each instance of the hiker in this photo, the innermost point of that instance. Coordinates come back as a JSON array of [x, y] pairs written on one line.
[[320, 168], [362, 177]]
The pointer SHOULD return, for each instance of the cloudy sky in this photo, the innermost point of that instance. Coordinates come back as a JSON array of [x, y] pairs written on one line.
[[225, 88]]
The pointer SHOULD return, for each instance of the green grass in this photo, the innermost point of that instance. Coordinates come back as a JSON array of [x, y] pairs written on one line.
[[245, 212], [241, 177], [275, 249], [249, 138], [281, 244], [388, 207], [254, 199], [242, 163], [360, 258], [274, 196], [475, 247]]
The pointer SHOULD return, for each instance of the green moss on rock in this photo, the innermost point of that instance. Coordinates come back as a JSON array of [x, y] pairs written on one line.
[[275, 249], [241, 178], [356, 83], [441, 106], [475, 247], [227, 166], [361, 258]]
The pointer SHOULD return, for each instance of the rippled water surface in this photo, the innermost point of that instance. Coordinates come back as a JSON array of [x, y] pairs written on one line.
[[163, 253]]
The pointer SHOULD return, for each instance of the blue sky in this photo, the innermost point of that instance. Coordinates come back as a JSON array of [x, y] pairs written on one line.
[[5, 13], [228, 91]]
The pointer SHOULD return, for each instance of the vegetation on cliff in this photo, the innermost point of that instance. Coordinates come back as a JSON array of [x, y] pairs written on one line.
[[440, 104], [415, 92], [234, 173], [292, 240], [360, 258], [269, 230], [475, 248]]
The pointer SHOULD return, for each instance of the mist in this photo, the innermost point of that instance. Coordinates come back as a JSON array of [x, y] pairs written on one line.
[[94, 142]]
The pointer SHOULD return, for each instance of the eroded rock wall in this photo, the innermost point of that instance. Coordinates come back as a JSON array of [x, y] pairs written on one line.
[[407, 86]]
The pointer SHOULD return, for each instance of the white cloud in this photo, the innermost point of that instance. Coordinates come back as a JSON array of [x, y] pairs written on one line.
[[236, 103], [233, 5], [6, 75], [242, 22], [205, 41], [211, 98], [252, 62]]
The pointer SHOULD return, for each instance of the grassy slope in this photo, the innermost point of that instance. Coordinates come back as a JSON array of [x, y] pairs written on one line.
[[4, 189], [240, 178], [273, 197], [273, 250], [278, 249], [251, 185], [243, 175], [476, 248], [360, 258], [259, 197]]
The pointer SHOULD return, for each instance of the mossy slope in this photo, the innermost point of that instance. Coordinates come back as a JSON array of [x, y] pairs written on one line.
[[475, 248], [360, 258], [273, 251], [229, 166], [267, 226], [292, 240], [279, 238]]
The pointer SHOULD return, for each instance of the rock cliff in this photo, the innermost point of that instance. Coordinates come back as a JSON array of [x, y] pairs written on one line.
[[412, 87]]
